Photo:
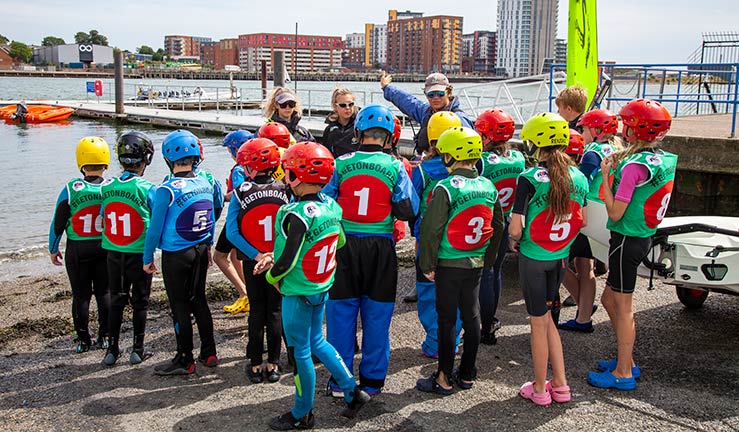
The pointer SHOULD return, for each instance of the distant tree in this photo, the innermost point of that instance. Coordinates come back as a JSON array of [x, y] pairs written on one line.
[[21, 52], [159, 55], [52, 41], [81, 37], [144, 49], [3, 40], [94, 37], [97, 38]]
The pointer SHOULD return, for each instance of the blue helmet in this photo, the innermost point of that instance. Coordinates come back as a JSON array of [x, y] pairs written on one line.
[[179, 145], [375, 116], [234, 140]]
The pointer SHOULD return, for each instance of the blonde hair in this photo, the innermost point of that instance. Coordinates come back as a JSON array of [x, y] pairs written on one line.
[[574, 97], [632, 149], [270, 107], [560, 181], [341, 91]]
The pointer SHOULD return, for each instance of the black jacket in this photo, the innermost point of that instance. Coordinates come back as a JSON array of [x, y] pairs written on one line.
[[339, 138], [298, 132]]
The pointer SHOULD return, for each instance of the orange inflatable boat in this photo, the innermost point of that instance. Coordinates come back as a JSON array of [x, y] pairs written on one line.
[[37, 113]]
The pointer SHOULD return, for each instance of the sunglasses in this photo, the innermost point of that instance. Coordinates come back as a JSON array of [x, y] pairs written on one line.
[[346, 105], [290, 104], [433, 94]]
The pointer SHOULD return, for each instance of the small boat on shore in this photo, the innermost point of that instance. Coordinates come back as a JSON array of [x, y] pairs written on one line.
[[36, 113]]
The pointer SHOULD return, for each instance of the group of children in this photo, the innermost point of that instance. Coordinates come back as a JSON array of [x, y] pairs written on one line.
[[316, 234]]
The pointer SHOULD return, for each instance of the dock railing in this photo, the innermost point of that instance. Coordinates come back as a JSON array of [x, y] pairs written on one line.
[[684, 88]]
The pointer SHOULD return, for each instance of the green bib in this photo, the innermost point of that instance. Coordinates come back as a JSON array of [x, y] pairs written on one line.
[[544, 238], [503, 172], [650, 199], [366, 183], [313, 269], [469, 227], [86, 223], [126, 214], [603, 150]]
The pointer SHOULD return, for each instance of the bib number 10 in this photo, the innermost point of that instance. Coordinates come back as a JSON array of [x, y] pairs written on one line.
[[87, 223]]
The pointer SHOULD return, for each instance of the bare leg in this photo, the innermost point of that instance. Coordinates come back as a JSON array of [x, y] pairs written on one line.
[[625, 334], [540, 349], [229, 270], [556, 356], [234, 256], [571, 283], [586, 294]]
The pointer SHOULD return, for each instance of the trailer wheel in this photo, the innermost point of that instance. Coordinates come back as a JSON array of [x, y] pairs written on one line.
[[691, 298]]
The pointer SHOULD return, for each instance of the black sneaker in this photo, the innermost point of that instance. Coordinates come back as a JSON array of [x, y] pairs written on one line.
[[111, 356], [82, 347], [429, 385], [210, 361], [488, 339], [288, 422], [360, 399], [102, 342], [138, 356], [462, 384], [254, 377], [177, 366], [273, 375]]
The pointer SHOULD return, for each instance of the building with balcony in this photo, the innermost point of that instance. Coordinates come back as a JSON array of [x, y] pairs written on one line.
[[179, 46], [526, 35], [375, 39], [424, 44], [309, 53]]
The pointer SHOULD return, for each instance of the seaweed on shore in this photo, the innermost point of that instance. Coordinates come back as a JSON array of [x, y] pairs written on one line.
[[220, 291], [47, 327], [59, 296]]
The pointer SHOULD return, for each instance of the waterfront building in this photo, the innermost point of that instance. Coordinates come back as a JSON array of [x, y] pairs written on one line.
[[526, 35], [226, 52], [208, 53], [352, 56], [560, 56], [74, 55], [179, 47], [375, 40], [6, 61], [478, 52], [312, 53], [423, 44]]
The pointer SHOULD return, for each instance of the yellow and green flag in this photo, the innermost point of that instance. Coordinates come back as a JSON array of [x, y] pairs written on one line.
[[582, 46]]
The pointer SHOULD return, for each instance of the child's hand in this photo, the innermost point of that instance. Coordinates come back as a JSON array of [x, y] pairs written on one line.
[[210, 257], [56, 258], [513, 245], [605, 166], [265, 262], [150, 268], [430, 275]]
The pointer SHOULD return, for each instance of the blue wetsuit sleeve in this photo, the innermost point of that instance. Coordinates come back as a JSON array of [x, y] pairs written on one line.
[[237, 177], [217, 202], [56, 229], [466, 121], [234, 235], [405, 199], [162, 199], [418, 181], [589, 164], [332, 188], [406, 102]]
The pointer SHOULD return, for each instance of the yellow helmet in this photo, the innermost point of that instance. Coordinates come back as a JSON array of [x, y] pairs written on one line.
[[461, 143], [92, 151], [546, 130], [440, 122]]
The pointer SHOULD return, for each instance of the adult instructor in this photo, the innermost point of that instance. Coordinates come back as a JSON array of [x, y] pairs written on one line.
[[439, 97]]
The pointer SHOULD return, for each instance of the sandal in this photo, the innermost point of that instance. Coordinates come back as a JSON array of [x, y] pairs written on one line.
[[541, 399], [559, 394], [254, 376], [430, 385]]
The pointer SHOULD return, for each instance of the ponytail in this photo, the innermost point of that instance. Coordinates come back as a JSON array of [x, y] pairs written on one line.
[[560, 182], [634, 148]]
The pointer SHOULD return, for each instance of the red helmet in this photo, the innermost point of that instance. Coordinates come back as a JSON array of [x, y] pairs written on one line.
[[259, 154], [307, 162], [396, 132], [647, 119], [277, 132], [576, 147], [495, 125], [600, 119]]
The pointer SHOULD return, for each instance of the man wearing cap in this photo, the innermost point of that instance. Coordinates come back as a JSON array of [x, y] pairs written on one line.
[[439, 97]]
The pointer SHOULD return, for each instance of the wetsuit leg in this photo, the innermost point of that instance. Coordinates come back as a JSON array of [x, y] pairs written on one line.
[[469, 310], [118, 284], [343, 304], [199, 303], [178, 281], [100, 289], [140, 292], [297, 320], [257, 289], [80, 271]]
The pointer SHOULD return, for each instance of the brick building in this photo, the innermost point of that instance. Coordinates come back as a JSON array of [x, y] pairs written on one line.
[[424, 44], [178, 46], [226, 52], [312, 53]]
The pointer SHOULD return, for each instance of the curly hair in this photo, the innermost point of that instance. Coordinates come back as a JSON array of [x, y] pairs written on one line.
[[269, 107]]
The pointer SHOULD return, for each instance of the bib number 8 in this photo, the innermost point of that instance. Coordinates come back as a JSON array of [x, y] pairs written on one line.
[[663, 206]]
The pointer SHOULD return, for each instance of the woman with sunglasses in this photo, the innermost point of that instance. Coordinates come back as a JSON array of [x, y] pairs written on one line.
[[338, 136], [283, 107], [439, 97]]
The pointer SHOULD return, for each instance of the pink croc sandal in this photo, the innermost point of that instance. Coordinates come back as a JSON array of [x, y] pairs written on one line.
[[559, 394], [541, 399]]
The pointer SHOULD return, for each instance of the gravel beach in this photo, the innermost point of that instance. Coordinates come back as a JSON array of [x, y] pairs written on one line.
[[689, 361]]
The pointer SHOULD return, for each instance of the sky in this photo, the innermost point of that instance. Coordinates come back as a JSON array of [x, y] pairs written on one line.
[[629, 31]]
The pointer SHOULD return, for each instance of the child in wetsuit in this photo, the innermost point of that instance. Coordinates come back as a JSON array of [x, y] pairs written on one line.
[[126, 210], [250, 228], [182, 226], [307, 235], [77, 214]]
